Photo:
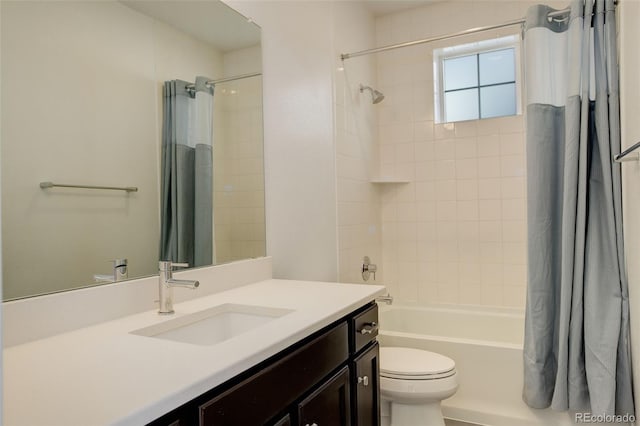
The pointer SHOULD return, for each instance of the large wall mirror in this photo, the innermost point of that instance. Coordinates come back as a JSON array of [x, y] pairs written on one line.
[[82, 104]]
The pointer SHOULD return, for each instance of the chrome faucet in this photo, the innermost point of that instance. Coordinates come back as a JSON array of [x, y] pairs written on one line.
[[167, 282]]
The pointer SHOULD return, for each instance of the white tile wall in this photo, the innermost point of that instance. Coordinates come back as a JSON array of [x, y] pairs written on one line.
[[457, 232]]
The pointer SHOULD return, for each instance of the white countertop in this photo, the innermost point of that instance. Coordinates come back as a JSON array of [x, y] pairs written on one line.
[[102, 374]]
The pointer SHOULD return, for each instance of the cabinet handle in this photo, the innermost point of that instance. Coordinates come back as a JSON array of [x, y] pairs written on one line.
[[369, 328], [364, 380]]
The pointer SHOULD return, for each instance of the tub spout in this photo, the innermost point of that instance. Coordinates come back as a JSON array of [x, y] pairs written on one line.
[[387, 298]]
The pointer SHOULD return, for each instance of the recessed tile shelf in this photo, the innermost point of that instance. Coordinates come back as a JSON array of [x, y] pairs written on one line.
[[388, 180]]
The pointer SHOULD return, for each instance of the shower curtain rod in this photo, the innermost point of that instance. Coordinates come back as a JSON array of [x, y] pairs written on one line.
[[444, 37], [225, 79]]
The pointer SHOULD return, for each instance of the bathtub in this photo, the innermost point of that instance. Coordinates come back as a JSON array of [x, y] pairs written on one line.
[[486, 345]]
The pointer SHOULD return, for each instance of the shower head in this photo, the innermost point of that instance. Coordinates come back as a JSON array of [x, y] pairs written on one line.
[[376, 96]]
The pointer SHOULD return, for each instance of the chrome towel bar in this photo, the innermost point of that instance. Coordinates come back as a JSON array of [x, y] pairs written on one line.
[[628, 154], [46, 185]]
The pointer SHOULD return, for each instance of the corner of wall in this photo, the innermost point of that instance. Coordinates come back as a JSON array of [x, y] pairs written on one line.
[[629, 61], [298, 136], [356, 143], [1, 316]]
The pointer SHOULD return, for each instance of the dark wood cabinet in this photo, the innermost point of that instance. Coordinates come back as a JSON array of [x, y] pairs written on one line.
[[285, 421], [260, 397], [364, 328], [366, 387], [329, 404], [314, 381]]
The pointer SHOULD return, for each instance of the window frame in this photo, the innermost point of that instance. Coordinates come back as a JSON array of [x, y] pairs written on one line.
[[469, 49]]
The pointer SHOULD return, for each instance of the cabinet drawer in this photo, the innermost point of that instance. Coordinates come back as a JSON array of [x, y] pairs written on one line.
[[364, 328], [262, 396]]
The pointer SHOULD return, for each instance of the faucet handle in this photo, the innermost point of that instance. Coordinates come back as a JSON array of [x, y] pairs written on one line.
[[167, 265]]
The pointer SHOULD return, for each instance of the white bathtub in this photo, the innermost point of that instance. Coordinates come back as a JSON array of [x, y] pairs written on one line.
[[486, 345]]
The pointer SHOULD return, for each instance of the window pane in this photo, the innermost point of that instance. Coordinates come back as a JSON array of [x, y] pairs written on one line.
[[461, 105], [497, 67], [460, 72], [496, 101]]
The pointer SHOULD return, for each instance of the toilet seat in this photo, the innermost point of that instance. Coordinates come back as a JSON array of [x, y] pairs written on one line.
[[414, 364]]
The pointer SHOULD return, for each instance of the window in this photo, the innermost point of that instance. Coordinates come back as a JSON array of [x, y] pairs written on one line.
[[477, 80]]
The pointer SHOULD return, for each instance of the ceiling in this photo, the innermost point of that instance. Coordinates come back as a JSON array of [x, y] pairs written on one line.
[[229, 31]]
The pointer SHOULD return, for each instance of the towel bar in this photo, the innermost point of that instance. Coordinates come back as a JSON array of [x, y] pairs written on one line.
[[626, 154], [45, 185]]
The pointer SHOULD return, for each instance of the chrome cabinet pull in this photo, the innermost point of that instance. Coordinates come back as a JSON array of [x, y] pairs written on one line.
[[364, 380], [369, 328]]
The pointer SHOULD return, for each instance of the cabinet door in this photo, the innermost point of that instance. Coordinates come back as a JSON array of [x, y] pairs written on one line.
[[366, 387], [329, 404]]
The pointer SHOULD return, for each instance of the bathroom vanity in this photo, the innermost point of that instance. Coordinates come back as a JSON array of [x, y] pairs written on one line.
[[294, 353], [328, 378]]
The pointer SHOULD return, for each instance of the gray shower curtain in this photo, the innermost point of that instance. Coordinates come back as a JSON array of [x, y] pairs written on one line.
[[576, 349], [187, 174]]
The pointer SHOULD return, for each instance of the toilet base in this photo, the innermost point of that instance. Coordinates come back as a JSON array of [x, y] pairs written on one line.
[[429, 414]]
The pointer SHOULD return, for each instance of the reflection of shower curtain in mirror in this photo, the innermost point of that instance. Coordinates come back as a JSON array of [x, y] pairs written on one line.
[[186, 175]]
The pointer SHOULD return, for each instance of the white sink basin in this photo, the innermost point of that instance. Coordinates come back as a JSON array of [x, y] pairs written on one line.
[[213, 325]]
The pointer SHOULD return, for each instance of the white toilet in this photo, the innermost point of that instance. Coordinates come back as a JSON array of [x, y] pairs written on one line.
[[415, 381]]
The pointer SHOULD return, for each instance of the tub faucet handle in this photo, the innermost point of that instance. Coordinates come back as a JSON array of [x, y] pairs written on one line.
[[368, 268]]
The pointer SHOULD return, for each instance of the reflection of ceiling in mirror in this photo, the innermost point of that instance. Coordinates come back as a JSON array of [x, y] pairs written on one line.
[[228, 32]]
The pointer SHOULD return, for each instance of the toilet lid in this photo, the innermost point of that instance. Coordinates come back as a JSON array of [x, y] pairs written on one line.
[[414, 363]]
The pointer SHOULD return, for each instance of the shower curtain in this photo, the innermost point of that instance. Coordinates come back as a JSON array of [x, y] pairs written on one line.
[[576, 349], [186, 174]]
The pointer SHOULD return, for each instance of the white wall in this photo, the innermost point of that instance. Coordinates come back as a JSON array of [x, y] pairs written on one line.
[[629, 34], [359, 226], [298, 60], [305, 184], [1, 313]]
